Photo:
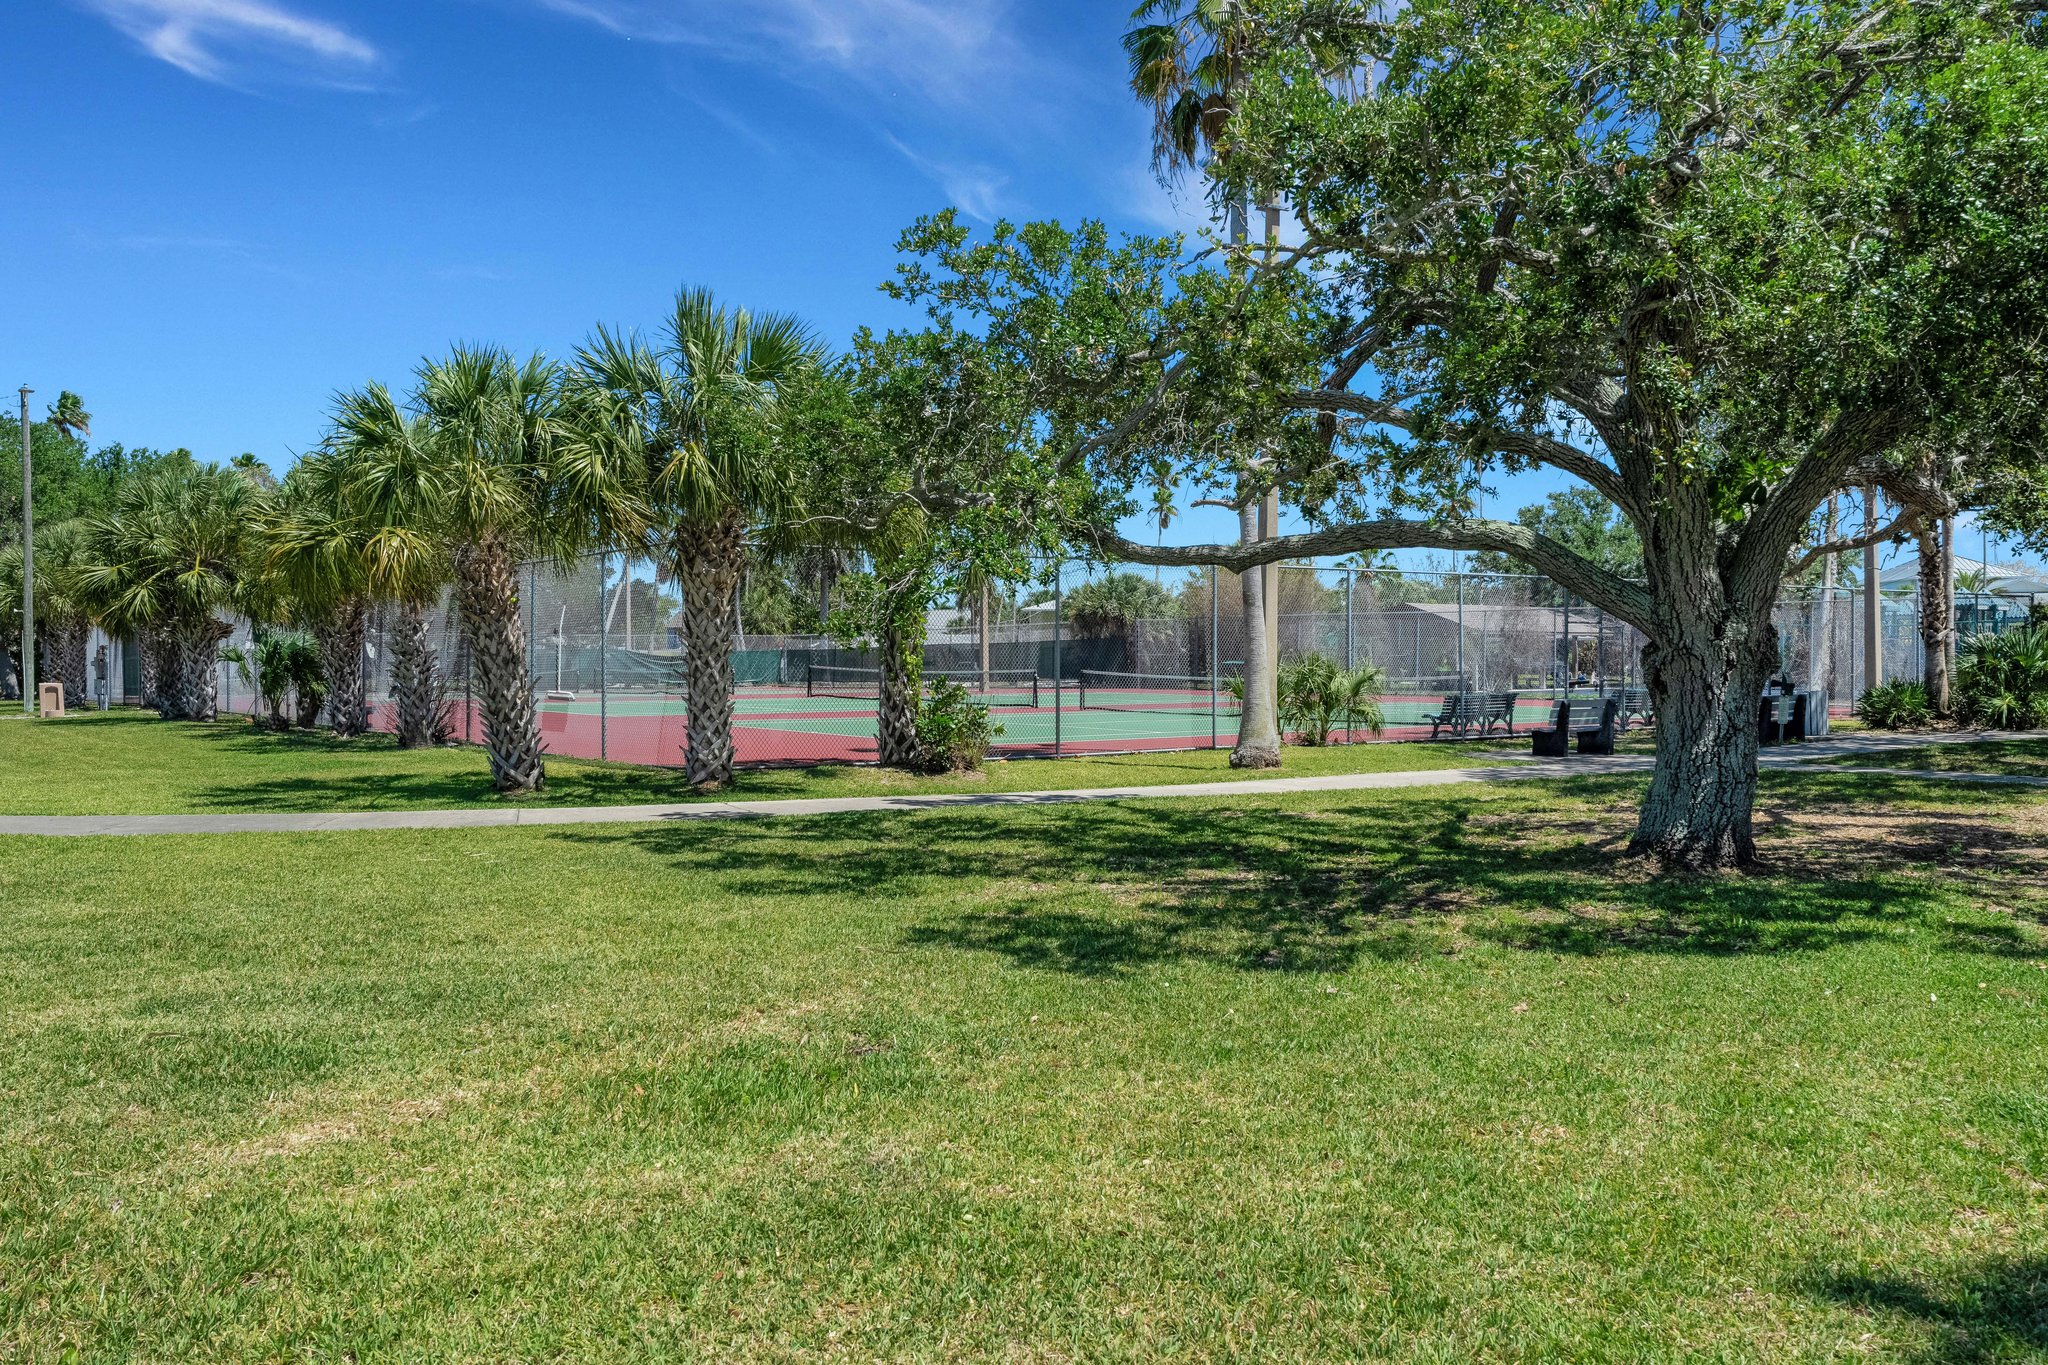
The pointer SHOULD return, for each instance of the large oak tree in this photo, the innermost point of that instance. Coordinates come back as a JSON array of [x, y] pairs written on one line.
[[1707, 260]]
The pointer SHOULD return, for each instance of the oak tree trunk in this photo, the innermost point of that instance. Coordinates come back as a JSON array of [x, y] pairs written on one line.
[[1707, 683], [341, 638], [710, 557], [487, 588], [1258, 727], [416, 684]]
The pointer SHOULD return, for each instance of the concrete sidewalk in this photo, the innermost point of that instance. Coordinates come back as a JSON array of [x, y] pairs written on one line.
[[1511, 768]]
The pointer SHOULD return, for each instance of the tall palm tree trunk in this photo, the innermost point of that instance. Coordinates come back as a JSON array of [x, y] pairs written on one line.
[[67, 639], [152, 644], [896, 706], [416, 684], [487, 589], [1937, 618], [189, 687], [709, 561], [340, 638], [1258, 724]]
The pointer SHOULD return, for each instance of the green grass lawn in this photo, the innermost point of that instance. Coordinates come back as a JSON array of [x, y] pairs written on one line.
[[131, 763], [1422, 1076], [2013, 757]]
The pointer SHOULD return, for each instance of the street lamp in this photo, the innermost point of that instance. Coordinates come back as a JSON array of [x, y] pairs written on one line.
[[28, 565]]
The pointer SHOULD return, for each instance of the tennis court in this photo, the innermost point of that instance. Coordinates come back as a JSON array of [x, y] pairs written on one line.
[[832, 717]]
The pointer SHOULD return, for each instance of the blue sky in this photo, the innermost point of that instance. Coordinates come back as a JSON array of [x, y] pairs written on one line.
[[221, 211]]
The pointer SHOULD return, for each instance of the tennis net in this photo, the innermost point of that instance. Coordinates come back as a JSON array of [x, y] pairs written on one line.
[[1162, 692], [1015, 687]]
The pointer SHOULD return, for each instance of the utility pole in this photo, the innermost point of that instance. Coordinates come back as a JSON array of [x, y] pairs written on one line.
[[28, 565], [1269, 510], [1873, 607]]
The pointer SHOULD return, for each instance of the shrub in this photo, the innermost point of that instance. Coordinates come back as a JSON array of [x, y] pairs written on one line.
[[953, 730], [283, 663], [2002, 680], [1317, 697], [1895, 706]]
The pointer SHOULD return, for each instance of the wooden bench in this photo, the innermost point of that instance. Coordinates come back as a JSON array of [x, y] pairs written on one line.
[[1635, 701], [1593, 722], [1463, 710], [1458, 714], [1499, 709]]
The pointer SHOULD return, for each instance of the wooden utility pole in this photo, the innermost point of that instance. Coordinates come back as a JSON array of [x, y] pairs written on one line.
[[28, 565], [1269, 510], [1873, 609]]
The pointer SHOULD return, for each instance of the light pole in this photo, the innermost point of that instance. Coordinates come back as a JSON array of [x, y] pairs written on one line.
[[28, 565]]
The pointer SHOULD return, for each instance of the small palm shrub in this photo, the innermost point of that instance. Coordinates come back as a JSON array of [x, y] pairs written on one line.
[[1317, 697], [1895, 706], [953, 730], [2002, 680], [282, 665]]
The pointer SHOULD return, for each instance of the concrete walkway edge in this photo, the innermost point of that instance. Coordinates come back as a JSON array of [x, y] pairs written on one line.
[[1796, 758]]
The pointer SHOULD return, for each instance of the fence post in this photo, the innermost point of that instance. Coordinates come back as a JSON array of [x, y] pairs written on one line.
[[604, 691], [1059, 670], [1561, 654], [1350, 642], [1463, 683], [1600, 650], [1215, 661], [1059, 700]]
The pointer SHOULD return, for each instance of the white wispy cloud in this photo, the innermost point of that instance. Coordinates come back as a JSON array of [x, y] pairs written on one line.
[[230, 41], [977, 190], [947, 52]]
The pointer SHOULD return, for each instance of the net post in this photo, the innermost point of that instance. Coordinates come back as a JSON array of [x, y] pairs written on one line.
[[604, 691]]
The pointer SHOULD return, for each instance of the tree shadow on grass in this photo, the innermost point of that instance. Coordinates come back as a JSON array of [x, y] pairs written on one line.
[[1302, 884], [1995, 1311], [453, 777]]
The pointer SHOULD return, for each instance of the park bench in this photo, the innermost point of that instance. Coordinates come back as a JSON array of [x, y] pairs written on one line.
[[1463, 710], [1497, 708], [1459, 713], [1593, 721], [1635, 701]]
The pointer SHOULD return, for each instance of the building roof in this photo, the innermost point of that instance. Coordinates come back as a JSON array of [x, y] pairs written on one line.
[[2010, 577]]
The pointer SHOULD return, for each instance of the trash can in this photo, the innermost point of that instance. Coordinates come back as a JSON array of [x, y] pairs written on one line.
[[1816, 711]]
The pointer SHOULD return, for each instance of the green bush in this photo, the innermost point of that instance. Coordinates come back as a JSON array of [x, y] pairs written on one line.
[[2002, 680], [1895, 706], [953, 730], [1317, 698], [283, 664]]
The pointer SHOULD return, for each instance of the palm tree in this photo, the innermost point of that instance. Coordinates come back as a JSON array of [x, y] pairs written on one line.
[[175, 549], [390, 488], [494, 468], [696, 413], [319, 545], [1187, 60], [68, 415], [63, 616]]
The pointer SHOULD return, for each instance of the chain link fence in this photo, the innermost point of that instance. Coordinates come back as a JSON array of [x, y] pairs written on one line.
[[1083, 657]]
